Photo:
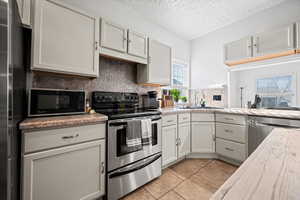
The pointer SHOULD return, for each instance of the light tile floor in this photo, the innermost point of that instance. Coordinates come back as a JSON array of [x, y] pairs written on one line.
[[191, 179]]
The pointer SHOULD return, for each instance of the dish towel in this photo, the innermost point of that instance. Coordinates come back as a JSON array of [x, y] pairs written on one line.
[[133, 135], [146, 131]]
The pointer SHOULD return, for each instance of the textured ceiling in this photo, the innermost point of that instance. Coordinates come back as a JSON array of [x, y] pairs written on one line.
[[193, 18]]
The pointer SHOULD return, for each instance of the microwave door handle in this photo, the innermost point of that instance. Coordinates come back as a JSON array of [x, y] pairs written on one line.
[[134, 168]]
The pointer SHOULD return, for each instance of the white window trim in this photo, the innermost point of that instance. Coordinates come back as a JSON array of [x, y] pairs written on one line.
[[188, 72]]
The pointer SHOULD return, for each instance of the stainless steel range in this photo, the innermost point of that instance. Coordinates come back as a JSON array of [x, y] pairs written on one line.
[[133, 142]]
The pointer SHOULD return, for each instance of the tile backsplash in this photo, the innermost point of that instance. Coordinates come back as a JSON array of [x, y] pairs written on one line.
[[114, 76], [208, 95]]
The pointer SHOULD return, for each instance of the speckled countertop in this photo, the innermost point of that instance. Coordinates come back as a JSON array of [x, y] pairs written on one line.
[[239, 111], [61, 121], [271, 172]]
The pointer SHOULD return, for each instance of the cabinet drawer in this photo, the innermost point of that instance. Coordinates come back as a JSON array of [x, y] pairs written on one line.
[[184, 117], [230, 149], [45, 139], [169, 120], [203, 117], [231, 132], [232, 119]]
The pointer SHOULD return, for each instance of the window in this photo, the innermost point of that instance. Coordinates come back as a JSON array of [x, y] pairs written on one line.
[[180, 74], [277, 91], [180, 77]]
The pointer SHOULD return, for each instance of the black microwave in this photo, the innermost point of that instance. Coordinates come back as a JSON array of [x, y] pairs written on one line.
[[48, 102]]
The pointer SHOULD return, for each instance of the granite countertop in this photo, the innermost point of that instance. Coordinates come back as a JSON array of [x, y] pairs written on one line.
[[239, 111], [61, 121], [271, 172]]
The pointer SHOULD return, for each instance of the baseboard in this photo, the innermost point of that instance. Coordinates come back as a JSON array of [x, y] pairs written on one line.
[[230, 161], [203, 155], [173, 163]]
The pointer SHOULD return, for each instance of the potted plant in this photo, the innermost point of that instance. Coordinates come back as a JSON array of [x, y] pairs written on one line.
[[175, 93]]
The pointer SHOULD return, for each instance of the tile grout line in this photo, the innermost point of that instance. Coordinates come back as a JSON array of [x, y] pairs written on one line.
[[179, 194]]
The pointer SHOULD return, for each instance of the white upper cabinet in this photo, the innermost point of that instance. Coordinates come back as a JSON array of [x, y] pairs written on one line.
[[24, 7], [203, 137], [113, 36], [238, 50], [274, 41], [137, 44], [121, 43], [298, 36], [158, 70], [65, 40]]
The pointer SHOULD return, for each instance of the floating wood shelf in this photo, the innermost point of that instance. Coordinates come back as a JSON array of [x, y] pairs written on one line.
[[260, 58]]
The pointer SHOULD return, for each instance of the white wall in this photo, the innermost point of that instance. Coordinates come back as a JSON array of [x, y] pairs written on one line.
[[207, 67], [127, 17]]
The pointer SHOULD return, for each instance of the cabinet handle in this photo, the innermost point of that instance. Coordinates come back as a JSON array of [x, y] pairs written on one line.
[[229, 149], [228, 131], [185, 118], [124, 39], [226, 118], [170, 121], [96, 46], [102, 168], [70, 137]]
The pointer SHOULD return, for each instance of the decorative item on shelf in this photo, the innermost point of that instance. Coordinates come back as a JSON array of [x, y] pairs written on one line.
[[87, 106]]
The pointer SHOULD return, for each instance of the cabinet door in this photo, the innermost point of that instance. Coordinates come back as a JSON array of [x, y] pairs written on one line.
[[137, 44], [169, 144], [184, 139], [203, 137], [64, 40], [159, 63], [68, 173], [113, 36], [298, 36], [275, 41], [24, 10], [238, 50]]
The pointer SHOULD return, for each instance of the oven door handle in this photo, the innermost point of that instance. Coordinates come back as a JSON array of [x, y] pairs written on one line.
[[134, 168]]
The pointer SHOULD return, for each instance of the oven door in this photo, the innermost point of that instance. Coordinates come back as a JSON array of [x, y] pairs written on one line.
[[116, 141], [125, 180]]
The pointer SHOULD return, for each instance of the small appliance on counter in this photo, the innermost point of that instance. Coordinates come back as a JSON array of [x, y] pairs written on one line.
[[49, 102], [150, 100], [257, 101]]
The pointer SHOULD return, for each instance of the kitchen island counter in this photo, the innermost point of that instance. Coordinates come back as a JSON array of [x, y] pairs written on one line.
[[271, 172]]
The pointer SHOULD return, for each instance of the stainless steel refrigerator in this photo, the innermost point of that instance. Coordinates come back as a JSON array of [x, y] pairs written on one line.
[[12, 98]]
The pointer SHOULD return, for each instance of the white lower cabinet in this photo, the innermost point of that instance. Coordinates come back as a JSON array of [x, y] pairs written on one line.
[[175, 137], [70, 165], [67, 173], [169, 144], [184, 139], [203, 137]]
